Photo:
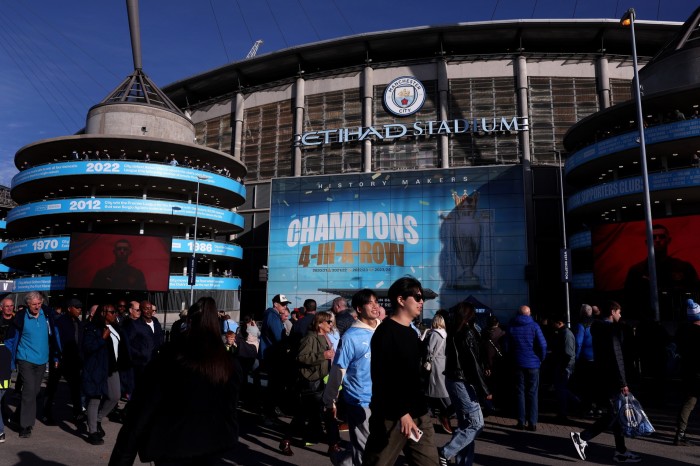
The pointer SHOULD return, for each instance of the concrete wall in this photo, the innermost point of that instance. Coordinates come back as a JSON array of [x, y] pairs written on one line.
[[139, 120]]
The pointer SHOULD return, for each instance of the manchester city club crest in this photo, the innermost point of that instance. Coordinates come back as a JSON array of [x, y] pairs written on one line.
[[404, 96]]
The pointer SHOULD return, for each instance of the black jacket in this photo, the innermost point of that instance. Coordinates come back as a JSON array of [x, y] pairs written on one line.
[[463, 359], [608, 341], [177, 416]]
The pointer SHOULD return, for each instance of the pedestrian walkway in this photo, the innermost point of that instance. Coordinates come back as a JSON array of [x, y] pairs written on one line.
[[500, 444]]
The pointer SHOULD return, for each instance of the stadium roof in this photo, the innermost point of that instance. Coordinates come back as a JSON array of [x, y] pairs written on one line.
[[471, 41]]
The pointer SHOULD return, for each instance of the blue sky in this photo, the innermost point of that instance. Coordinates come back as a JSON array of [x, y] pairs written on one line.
[[57, 59]]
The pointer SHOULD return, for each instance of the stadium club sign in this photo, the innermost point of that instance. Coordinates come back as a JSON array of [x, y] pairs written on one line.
[[403, 97]]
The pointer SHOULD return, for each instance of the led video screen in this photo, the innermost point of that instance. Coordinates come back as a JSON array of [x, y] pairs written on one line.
[[620, 255], [119, 262]]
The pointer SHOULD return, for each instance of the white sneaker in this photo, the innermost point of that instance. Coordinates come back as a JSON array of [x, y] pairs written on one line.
[[626, 457], [579, 444]]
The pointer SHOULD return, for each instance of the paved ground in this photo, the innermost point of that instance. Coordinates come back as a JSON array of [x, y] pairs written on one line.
[[500, 444]]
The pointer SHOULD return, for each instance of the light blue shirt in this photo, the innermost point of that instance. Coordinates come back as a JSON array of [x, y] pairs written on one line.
[[33, 347], [230, 324], [334, 337], [355, 356]]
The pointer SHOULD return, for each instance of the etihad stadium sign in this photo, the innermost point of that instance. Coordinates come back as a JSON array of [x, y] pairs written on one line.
[[405, 96]]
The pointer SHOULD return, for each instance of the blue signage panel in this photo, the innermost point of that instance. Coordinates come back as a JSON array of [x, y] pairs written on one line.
[[177, 282], [461, 232], [118, 167], [676, 179], [208, 247], [23, 285], [580, 240], [62, 244], [123, 205], [36, 245], [582, 281], [654, 135]]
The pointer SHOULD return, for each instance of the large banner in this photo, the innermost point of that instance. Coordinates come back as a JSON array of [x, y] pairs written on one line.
[[103, 261], [620, 253], [621, 265], [461, 232]]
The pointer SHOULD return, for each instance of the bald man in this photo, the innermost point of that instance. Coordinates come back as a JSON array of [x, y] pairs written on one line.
[[526, 342]]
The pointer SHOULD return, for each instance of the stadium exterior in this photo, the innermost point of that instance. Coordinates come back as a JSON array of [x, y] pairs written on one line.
[[497, 97]]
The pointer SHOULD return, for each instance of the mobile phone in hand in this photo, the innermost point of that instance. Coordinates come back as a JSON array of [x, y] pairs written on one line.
[[415, 435]]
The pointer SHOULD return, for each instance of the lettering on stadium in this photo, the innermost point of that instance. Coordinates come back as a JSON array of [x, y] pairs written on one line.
[[330, 253], [419, 128], [352, 225]]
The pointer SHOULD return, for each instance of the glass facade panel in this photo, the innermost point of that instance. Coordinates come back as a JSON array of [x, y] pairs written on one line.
[[266, 148], [556, 103], [482, 98], [332, 110], [405, 154], [215, 133], [620, 91]]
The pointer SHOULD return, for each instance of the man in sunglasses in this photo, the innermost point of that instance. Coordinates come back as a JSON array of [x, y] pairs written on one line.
[[120, 275], [399, 418]]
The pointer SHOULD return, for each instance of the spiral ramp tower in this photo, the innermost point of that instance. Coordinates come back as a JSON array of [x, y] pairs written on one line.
[[118, 177]]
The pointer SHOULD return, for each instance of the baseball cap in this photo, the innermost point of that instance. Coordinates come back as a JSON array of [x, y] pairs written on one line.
[[280, 298], [73, 302]]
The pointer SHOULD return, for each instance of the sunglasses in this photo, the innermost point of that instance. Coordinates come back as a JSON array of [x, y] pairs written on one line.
[[416, 296], [111, 312]]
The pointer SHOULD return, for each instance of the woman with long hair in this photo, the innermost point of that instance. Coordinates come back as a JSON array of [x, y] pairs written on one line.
[[104, 354], [438, 398], [314, 358], [184, 410], [464, 378]]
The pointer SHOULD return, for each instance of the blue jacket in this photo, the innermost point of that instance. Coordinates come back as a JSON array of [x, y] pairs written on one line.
[[584, 340], [526, 342], [271, 333], [17, 329]]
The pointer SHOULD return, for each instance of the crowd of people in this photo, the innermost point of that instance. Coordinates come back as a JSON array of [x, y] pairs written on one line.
[[381, 376]]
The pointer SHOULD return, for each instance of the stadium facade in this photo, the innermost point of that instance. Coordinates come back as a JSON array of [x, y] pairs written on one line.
[[431, 151]]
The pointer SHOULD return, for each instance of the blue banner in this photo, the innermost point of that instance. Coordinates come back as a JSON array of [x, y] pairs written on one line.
[[613, 145], [461, 232], [123, 205], [62, 244], [36, 245], [676, 179], [23, 285], [208, 247], [580, 240], [119, 167], [582, 281], [177, 282]]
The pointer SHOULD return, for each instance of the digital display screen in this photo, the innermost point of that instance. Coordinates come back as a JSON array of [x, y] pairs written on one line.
[[119, 262]]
